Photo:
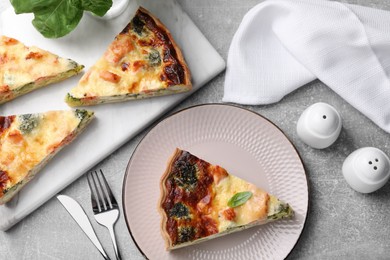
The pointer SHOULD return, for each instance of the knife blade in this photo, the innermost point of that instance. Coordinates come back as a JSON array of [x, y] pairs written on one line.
[[78, 214]]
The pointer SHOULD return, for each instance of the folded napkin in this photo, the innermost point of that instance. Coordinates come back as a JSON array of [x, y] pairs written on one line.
[[284, 44]]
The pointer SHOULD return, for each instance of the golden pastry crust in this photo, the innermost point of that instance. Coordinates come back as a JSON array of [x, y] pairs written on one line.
[[163, 196], [174, 50]]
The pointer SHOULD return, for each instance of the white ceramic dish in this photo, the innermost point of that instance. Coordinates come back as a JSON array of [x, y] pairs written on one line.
[[245, 144], [115, 123], [117, 8]]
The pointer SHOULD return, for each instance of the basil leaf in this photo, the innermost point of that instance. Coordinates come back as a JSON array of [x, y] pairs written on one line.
[[59, 19], [239, 199], [98, 7], [23, 6], [56, 18]]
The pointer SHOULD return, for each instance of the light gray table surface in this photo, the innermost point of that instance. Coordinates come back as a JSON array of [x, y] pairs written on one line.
[[341, 223]]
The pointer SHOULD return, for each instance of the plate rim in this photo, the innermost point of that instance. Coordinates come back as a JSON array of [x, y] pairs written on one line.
[[204, 105]]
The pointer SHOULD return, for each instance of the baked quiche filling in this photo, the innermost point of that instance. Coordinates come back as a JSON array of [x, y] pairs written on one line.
[[142, 61], [28, 141], [23, 68], [201, 201]]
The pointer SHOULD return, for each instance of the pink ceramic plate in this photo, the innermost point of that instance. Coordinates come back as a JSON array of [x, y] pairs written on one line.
[[246, 145]]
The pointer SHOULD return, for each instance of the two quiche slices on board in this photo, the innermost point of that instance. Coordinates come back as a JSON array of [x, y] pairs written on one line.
[[142, 61], [29, 141]]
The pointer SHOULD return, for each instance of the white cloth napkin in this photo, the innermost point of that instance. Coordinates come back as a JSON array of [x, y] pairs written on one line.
[[284, 44]]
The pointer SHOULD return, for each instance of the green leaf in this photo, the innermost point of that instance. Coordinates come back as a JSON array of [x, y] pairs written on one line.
[[239, 199], [58, 19], [23, 6], [98, 7]]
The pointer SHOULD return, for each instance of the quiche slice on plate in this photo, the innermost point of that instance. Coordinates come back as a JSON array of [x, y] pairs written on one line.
[[24, 69], [29, 141], [200, 201], [142, 61]]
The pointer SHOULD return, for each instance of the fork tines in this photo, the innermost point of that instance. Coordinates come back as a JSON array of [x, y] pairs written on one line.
[[101, 195]]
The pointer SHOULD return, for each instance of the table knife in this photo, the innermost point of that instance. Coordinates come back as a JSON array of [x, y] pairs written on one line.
[[78, 214]]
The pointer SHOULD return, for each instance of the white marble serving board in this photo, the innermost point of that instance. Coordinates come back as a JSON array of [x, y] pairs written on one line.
[[115, 124]]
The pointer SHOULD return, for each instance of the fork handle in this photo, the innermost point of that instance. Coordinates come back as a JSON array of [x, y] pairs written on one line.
[[113, 238]]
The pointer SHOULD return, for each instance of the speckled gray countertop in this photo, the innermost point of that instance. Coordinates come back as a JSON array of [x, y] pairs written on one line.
[[341, 223]]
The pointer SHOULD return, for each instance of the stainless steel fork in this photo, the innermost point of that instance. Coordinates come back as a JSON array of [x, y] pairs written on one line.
[[104, 205]]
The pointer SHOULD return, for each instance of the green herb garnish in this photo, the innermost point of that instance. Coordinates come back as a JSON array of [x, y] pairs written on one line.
[[186, 176], [185, 234], [239, 199], [154, 58], [179, 210], [56, 18], [81, 113], [28, 122], [138, 25]]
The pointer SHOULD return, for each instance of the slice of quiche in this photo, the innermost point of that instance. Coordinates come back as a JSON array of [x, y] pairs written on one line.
[[29, 141], [143, 61], [200, 201], [24, 69]]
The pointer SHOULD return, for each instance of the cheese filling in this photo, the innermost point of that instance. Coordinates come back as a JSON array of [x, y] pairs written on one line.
[[254, 209], [30, 139], [141, 60], [21, 65]]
